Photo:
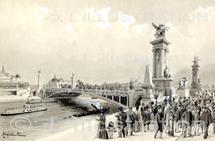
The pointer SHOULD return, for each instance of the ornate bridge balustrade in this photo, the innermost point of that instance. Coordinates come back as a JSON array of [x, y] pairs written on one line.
[[118, 97]]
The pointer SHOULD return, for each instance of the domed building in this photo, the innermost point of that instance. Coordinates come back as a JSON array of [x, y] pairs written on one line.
[[4, 76], [9, 84], [13, 91]]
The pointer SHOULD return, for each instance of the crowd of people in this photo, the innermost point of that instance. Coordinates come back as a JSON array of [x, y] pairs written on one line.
[[184, 117]]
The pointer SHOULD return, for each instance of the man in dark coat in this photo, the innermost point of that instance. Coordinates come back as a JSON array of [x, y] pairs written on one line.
[[130, 120], [159, 118], [180, 110], [187, 119], [155, 109], [197, 120], [206, 118], [146, 118], [122, 119]]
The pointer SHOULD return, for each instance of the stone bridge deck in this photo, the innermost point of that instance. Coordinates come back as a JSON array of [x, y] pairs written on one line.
[[118, 97]]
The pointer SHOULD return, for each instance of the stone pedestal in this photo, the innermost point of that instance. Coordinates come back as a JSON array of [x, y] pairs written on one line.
[[147, 97], [162, 85], [160, 51], [161, 76], [143, 96]]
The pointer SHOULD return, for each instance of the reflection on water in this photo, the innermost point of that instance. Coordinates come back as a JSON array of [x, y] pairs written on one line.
[[40, 124]]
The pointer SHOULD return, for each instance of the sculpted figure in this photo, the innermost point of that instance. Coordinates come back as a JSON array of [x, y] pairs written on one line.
[[160, 30]]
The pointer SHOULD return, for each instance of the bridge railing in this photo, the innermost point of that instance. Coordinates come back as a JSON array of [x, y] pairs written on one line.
[[117, 96], [108, 92], [96, 91]]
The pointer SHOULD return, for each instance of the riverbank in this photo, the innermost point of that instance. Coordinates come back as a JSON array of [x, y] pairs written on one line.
[[87, 131]]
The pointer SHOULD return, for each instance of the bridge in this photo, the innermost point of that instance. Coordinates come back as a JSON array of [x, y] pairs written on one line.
[[118, 97], [124, 98]]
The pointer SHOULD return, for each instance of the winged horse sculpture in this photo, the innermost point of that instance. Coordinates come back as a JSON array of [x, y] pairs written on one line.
[[160, 30]]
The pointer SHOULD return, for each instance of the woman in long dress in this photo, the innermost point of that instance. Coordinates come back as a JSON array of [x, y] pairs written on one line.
[[138, 120], [102, 132]]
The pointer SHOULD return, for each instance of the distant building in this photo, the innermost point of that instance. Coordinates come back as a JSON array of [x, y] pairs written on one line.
[[59, 83], [4, 76], [9, 83]]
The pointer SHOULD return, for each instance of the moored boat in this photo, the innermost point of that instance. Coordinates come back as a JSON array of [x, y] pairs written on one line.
[[24, 110], [90, 112]]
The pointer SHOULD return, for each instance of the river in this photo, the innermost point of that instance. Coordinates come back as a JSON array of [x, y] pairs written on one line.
[[41, 124]]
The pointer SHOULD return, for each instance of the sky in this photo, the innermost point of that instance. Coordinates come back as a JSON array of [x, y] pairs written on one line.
[[101, 40]]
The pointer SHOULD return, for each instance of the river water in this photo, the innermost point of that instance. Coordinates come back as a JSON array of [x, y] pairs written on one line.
[[41, 124]]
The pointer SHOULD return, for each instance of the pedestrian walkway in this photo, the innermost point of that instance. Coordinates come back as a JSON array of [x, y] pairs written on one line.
[[89, 131]]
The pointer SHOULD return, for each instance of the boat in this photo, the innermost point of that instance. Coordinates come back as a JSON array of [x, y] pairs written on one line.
[[92, 112], [26, 109]]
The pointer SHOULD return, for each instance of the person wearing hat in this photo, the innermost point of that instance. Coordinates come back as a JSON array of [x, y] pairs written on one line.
[[197, 118], [206, 119], [121, 116], [130, 120], [102, 132], [179, 113], [110, 129], [187, 119], [159, 119], [146, 118]]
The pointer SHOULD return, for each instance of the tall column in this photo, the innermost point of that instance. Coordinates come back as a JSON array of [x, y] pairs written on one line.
[[195, 73], [161, 77], [160, 50]]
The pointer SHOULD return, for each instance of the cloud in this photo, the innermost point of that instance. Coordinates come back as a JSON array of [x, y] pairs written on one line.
[[202, 14], [142, 28], [195, 38], [94, 42], [125, 19], [77, 45]]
